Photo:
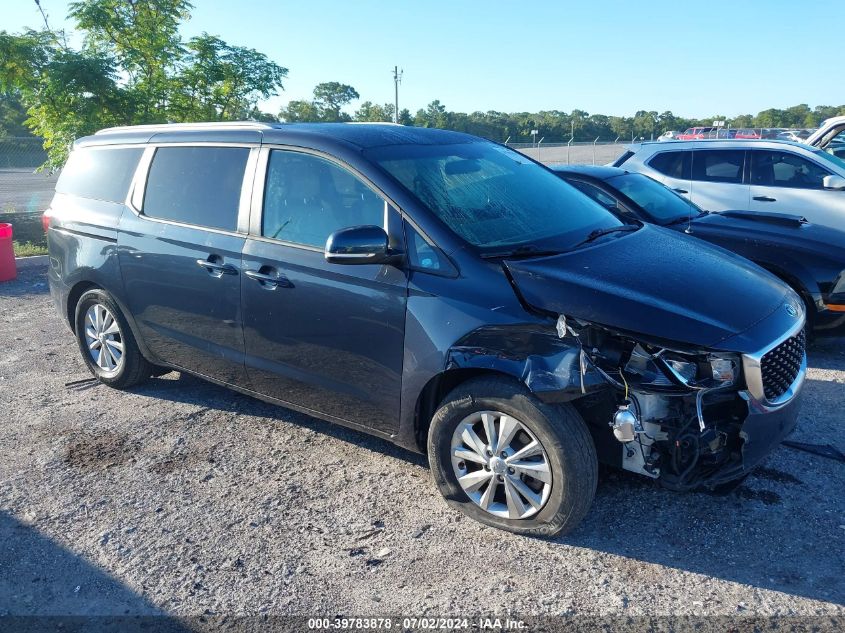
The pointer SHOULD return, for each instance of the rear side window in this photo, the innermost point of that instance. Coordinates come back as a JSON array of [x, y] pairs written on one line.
[[196, 185], [783, 169], [673, 164], [621, 160], [99, 173], [714, 165]]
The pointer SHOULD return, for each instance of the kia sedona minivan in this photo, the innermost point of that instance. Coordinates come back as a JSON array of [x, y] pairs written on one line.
[[432, 288]]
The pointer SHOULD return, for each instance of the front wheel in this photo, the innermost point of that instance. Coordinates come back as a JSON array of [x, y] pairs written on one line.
[[508, 460], [106, 342]]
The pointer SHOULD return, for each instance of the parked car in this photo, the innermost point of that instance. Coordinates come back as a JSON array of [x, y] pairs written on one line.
[[747, 133], [668, 136], [808, 257], [695, 133], [432, 288], [764, 176]]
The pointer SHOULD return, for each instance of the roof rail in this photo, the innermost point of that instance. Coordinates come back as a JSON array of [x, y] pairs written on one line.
[[213, 125]]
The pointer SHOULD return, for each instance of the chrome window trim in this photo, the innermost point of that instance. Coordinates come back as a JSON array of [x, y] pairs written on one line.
[[751, 367], [135, 199]]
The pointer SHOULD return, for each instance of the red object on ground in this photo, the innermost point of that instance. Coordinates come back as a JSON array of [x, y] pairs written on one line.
[[8, 269]]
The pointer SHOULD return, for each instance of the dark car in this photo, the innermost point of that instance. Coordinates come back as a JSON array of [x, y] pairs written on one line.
[[808, 257], [432, 288]]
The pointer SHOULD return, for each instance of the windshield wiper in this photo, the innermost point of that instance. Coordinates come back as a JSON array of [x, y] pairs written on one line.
[[521, 252], [594, 235]]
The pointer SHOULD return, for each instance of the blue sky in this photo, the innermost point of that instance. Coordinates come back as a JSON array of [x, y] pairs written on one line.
[[610, 57]]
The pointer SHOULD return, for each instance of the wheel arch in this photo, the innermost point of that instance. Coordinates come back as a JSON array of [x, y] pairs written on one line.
[[436, 390]]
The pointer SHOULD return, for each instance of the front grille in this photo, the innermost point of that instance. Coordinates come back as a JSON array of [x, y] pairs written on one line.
[[780, 366]]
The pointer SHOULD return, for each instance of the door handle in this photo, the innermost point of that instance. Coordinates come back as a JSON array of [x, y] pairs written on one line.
[[765, 199], [216, 268], [680, 190], [267, 280]]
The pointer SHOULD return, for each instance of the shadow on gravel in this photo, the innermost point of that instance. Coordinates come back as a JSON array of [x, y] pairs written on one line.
[[44, 586], [30, 281], [192, 390]]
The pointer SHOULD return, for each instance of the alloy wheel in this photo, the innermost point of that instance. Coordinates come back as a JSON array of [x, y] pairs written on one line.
[[104, 339], [501, 465]]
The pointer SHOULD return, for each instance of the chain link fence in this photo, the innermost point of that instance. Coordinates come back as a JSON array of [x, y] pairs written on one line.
[[582, 153], [24, 192]]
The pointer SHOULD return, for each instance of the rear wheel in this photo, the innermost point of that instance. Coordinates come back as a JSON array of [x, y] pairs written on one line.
[[106, 342], [508, 460]]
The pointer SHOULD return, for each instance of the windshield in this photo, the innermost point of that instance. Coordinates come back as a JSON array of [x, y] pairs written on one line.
[[663, 205], [493, 197]]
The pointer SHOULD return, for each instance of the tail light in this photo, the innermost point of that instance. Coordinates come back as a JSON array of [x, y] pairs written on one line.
[[45, 220]]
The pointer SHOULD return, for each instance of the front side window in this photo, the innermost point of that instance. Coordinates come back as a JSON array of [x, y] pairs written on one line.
[[718, 165], [493, 197], [672, 164], [99, 173], [307, 198], [784, 169], [196, 185]]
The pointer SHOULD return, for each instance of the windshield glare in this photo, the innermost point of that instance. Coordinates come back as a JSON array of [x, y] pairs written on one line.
[[663, 205], [493, 197]]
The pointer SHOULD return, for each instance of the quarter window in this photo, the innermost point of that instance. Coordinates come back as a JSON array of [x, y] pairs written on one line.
[[196, 185], [307, 198], [99, 173], [783, 169], [672, 164], [718, 165]]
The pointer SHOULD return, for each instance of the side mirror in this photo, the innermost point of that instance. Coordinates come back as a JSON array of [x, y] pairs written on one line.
[[359, 245], [833, 182]]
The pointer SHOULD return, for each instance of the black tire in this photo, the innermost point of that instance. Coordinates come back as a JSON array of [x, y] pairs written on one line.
[[559, 428], [134, 368]]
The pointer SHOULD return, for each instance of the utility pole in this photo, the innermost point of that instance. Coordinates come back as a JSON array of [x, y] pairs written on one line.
[[397, 79]]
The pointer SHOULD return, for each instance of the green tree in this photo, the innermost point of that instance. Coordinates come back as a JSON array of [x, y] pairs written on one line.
[[132, 68], [12, 116], [373, 112], [330, 97], [222, 82], [299, 111], [405, 117]]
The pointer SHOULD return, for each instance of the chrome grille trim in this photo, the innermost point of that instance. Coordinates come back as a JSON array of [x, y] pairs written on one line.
[[752, 365]]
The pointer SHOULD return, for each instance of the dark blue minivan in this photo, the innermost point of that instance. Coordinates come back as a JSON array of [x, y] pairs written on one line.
[[432, 288]]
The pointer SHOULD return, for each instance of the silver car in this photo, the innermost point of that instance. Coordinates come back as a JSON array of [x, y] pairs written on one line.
[[764, 176]]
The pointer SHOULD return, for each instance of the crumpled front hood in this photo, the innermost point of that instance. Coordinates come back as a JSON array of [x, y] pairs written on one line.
[[657, 283]]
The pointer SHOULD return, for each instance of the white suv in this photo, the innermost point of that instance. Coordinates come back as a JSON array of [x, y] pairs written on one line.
[[766, 176]]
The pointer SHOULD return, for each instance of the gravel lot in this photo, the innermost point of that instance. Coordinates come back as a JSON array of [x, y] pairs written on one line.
[[184, 498]]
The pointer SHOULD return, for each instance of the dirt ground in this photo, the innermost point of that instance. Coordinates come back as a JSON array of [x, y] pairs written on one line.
[[183, 498]]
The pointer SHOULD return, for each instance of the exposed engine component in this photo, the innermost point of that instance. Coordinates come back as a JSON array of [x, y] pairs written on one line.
[[625, 424]]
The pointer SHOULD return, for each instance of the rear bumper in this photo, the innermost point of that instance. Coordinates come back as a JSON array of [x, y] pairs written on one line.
[[59, 293]]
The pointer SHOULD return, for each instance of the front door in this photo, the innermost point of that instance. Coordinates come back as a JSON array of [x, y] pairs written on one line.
[[325, 337], [180, 258], [785, 182]]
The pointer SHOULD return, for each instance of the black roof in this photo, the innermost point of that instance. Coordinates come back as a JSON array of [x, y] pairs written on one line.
[[356, 135], [600, 172]]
